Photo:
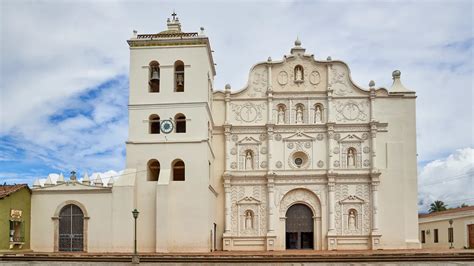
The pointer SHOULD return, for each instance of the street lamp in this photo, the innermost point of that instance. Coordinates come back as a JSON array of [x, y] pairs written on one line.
[[450, 234], [135, 258]]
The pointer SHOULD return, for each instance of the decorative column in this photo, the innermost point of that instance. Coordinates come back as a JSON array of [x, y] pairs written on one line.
[[375, 235], [332, 244], [228, 204], [227, 131], [331, 203], [373, 137], [269, 92], [271, 237]]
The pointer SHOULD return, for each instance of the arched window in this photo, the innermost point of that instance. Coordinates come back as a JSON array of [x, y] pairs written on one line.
[[153, 170], [178, 170], [154, 77], [154, 122], [180, 120], [179, 76]]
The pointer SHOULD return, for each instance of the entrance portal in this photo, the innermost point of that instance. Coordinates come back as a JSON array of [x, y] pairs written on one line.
[[299, 227], [71, 228]]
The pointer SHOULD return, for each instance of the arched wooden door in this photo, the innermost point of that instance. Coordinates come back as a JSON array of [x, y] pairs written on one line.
[[71, 228], [299, 227]]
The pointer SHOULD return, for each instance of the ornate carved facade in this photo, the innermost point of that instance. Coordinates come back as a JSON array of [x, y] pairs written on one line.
[[299, 158], [312, 134]]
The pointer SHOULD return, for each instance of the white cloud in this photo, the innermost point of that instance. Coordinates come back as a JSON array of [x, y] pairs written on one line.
[[54, 51], [450, 179]]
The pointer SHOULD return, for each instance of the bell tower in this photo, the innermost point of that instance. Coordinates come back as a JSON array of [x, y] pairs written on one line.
[[170, 127]]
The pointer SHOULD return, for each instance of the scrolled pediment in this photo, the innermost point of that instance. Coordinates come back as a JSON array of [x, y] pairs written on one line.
[[248, 200], [299, 136], [351, 199]]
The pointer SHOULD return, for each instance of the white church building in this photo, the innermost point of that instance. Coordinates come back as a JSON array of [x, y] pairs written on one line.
[[300, 158]]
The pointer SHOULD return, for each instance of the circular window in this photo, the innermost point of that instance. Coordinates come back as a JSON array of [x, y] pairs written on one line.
[[298, 161]]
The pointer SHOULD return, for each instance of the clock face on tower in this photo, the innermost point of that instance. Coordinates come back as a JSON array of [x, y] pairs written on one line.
[[166, 126]]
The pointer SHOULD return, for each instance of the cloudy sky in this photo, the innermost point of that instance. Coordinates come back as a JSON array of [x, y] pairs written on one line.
[[64, 73]]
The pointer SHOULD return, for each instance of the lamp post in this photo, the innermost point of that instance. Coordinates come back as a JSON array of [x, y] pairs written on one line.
[[135, 258], [451, 234]]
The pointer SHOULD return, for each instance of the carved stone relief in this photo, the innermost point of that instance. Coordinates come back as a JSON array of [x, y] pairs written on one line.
[[283, 78], [263, 150], [233, 151], [366, 149], [258, 82], [320, 136], [278, 164], [336, 163], [338, 81], [315, 78], [263, 164], [278, 137], [300, 196], [351, 111], [352, 209], [248, 112], [336, 150], [320, 164]]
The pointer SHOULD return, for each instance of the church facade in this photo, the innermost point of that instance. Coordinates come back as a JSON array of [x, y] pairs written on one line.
[[300, 158]]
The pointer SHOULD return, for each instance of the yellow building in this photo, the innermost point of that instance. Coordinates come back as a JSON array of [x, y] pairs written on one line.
[[439, 229]]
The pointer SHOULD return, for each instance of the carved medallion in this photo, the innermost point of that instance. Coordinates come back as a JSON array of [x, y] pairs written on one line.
[[233, 165], [336, 150], [337, 136], [278, 164], [366, 163], [320, 136], [248, 112], [365, 136], [336, 163], [320, 164], [278, 137], [233, 151], [290, 145], [351, 111], [283, 78], [235, 138], [262, 137], [366, 149], [263, 164], [263, 150], [307, 145], [315, 78]]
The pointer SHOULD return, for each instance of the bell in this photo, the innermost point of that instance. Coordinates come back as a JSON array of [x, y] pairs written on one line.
[[155, 76]]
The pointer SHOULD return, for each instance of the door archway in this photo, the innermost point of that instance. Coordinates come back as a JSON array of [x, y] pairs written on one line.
[[299, 227], [71, 228]]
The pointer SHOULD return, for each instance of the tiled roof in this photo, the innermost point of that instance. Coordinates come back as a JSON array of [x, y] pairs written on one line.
[[450, 211], [6, 190]]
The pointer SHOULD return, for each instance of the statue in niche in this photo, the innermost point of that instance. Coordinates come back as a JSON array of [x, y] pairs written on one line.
[[350, 158], [318, 116], [351, 223], [248, 160], [248, 220], [298, 73], [299, 115], [281, 115]]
